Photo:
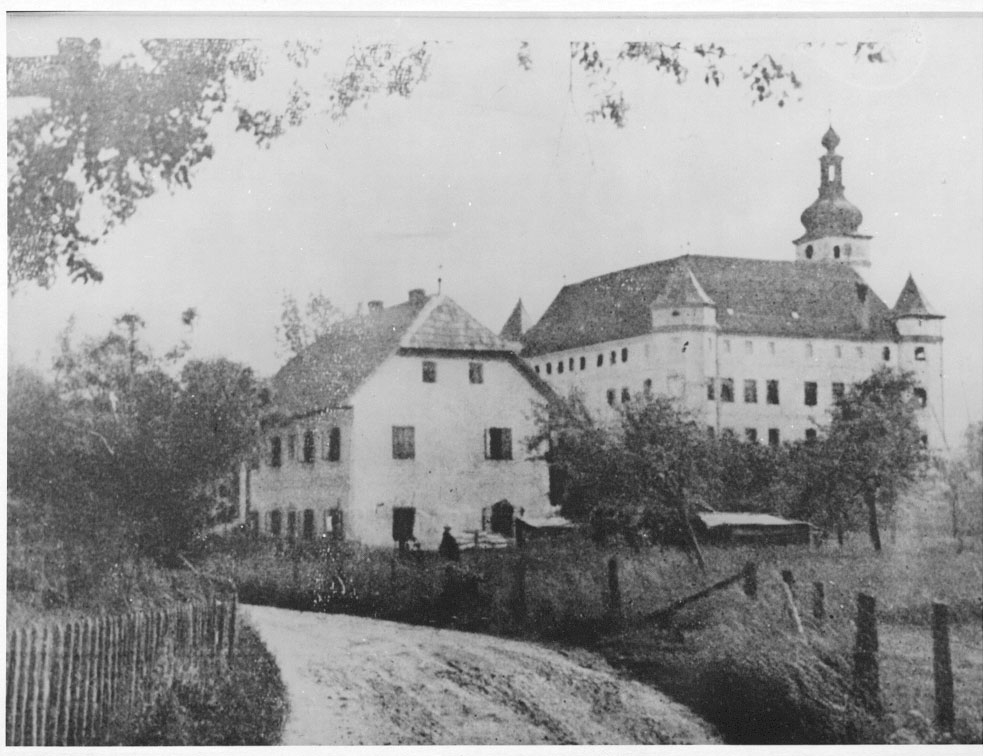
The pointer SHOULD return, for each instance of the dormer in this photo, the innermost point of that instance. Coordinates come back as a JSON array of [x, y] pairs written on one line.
[[683, 303]]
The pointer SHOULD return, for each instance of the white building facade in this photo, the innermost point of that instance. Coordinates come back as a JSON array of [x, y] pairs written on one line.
[[760, 349]]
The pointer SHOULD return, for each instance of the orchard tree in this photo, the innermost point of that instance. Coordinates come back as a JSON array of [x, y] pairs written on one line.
[[873, 448], [297, 329], [119, 131]]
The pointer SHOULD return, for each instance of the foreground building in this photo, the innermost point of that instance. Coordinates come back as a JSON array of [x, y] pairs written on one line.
[[396, 424], [758, 348]]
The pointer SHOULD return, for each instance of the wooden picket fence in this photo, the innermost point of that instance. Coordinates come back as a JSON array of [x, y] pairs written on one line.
[[68, 680]]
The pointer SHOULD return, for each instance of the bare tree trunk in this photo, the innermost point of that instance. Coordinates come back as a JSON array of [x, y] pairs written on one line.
[[839, 527], [695, 547], [870, 497]]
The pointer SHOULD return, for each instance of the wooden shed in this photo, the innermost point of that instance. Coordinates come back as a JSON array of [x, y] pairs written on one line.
[[750, 527]]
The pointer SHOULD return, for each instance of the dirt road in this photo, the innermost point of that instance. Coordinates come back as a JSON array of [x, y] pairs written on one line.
[[354, 681]]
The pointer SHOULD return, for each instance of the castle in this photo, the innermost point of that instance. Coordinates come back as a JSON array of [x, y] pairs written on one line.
[[757, 348]]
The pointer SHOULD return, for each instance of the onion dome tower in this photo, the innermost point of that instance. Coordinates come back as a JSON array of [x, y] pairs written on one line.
[[832, 222]]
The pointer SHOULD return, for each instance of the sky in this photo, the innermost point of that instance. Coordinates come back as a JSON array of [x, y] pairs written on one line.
[[491, 178]]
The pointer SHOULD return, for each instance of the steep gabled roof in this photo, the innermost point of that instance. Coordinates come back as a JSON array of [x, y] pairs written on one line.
[[913, 303], [682, 289], [517, 323], [328, 372], [755, 297]]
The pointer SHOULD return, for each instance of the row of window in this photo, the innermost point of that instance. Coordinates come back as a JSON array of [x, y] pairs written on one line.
[[276, 523], [331, 447], [498, 443], [429, 372], [751, 435], [582, 362]]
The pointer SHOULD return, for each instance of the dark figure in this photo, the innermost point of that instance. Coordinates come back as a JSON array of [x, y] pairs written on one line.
[[449, 546]]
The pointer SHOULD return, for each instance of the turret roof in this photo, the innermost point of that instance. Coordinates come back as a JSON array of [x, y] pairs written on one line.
[[912, 302]]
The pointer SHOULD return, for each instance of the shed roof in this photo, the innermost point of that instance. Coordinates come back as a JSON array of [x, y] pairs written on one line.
[[755, 297], [719, 519]]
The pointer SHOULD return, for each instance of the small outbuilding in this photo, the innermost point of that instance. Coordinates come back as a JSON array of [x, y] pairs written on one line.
[[750, 528]]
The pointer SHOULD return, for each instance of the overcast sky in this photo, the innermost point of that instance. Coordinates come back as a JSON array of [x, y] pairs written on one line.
[[491, 177]]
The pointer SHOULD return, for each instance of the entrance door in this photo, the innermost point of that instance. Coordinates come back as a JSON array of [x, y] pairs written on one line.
[[403, 518], [501, 521]]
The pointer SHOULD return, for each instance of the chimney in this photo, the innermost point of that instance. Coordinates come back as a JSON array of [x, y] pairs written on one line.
[[864, 312], [417, 297], [375, 306]]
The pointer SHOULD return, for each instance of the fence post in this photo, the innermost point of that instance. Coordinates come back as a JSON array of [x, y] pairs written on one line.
[[750, 583], [819, 611], [866, 654], [15, 650], [232, 624], [47, 643], [519, 589], [787, 589], [614, 594], [58, 672], [942, 668], [74, 691]]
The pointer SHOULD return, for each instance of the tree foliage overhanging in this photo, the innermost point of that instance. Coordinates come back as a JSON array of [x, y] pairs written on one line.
[[118, 131], [653, 465]]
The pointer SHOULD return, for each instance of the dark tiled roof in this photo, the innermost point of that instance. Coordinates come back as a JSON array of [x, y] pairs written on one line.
[[327, 372], [448, 326], [912, 302], [517, 323], [754, 297]]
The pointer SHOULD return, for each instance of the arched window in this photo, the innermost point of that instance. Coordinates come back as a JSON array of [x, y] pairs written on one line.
[[886, 354], [921, 354], [549, 368], [920, 394], [307, 450], [647, 387], [809, 251], [837, 252], [625, 354]]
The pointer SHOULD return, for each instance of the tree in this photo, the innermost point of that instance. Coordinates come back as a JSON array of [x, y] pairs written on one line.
[[963, 477], [299, 330], [119, 131], [147, 447], [871, 451]]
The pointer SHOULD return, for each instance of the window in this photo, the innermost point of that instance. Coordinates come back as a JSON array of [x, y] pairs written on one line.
[[570, 364], [429, 371], [403, 442], [549, 368], [291, 524], [601, 360], [537, 369], [727, 433], [626, 396], [292, 447], [837, 390], [749, 347], [886, 354], [751, 435], [308, 449], [560, 367], [647, 387], [625, 354], [710, 389], [612, 357], [498, 443], [751, 392], [811, 435], [475, 374], [924, 440], [810, 393], [331, 445], [275, 453], [921, 354], [275, 522], [335, 524], [584, 362], [837, 252], [727, 390], [611, 397], [307, 525], [921, 397], [809, 349], [772, 392], [773, 437], [809, 251], [710, 431]]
